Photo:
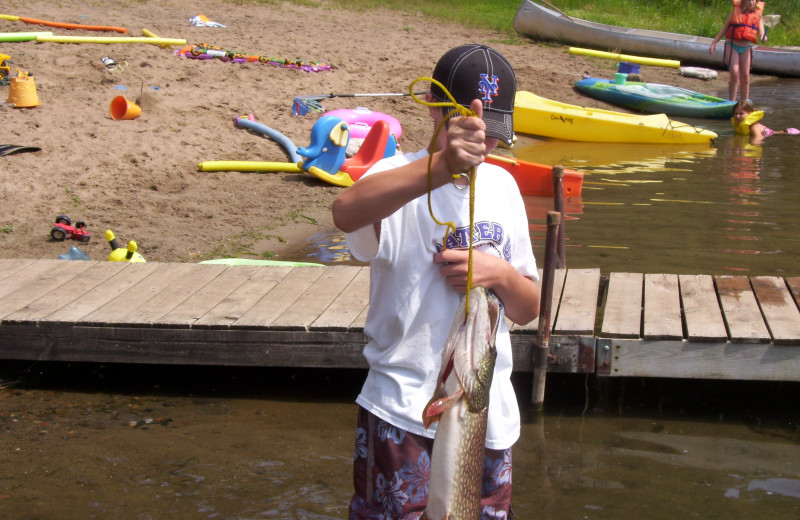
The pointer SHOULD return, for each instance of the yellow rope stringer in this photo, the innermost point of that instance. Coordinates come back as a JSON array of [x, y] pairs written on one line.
[[471, 174]]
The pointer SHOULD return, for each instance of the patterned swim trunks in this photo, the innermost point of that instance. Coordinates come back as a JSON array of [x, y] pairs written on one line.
[[391, 473]]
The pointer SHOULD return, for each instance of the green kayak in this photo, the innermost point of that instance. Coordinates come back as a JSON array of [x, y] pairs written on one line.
[[655, 98]]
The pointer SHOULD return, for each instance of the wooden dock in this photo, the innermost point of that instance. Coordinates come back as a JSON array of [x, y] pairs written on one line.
[[628, 324]]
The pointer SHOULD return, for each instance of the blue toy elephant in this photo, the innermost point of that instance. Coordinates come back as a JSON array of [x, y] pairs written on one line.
[[329, 139]]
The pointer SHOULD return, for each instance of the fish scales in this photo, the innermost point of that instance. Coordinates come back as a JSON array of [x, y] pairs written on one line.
[[461, 405]]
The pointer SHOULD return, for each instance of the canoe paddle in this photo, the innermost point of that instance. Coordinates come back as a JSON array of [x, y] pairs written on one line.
[[302, 104]]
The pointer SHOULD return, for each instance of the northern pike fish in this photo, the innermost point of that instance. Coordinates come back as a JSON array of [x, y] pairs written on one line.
[[460, 404]]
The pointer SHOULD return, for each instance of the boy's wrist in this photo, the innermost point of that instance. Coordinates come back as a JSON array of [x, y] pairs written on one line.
[[441, 169]]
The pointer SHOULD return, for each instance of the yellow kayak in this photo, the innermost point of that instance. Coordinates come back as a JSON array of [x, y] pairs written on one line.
[[536, 115]]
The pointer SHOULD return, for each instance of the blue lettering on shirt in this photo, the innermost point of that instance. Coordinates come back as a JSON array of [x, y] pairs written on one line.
[[487, 236]]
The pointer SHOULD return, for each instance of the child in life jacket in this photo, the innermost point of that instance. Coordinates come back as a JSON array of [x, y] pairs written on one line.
[[743, 28], [746, 122]]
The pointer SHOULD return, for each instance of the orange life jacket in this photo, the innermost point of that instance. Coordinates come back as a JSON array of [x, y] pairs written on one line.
[[745, 25]]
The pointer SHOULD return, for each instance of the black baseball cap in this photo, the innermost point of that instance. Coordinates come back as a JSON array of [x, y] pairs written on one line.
[[476, 71]]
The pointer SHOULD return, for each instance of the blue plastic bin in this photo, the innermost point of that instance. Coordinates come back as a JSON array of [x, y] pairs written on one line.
[[629, 68]]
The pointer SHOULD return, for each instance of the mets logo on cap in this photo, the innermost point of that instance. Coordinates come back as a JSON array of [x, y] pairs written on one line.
[[488, 88]]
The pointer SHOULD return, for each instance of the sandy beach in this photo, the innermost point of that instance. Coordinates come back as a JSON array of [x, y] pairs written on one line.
[[140, 178]]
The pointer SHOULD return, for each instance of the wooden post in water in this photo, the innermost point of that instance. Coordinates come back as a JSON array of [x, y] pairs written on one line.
[[558, 205], [542, 346]]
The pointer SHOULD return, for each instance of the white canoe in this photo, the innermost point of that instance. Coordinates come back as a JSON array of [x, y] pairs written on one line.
[[539, 22]]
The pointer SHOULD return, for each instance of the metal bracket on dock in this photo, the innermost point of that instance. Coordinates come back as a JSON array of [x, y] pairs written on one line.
[[571, 354], [603, 356]]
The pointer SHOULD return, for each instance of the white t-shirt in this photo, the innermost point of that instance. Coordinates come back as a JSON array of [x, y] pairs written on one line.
[[412, 308]]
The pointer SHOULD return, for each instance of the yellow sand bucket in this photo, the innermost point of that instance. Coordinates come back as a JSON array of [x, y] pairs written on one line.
[[123, 108], [22, 91]]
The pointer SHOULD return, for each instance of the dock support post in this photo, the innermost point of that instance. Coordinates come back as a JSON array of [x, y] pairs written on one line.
[[542, 346], [558, 205]]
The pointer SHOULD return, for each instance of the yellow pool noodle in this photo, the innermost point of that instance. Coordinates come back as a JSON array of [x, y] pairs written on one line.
[[9, 17], [675, 64], [111, 39], [247, 166], [151, 34]]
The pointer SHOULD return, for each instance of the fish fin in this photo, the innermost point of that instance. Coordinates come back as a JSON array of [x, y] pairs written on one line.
[[437, 406]]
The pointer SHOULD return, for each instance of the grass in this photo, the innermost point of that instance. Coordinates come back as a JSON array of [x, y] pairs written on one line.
[[700, 17]]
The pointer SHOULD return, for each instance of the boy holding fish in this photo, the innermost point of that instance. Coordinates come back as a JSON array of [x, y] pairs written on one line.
[[418, 270]]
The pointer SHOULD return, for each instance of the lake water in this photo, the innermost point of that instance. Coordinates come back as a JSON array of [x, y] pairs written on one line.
[[149, 442]]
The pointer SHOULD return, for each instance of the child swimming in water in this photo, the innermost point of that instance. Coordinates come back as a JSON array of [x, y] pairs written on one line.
[[746, 122]]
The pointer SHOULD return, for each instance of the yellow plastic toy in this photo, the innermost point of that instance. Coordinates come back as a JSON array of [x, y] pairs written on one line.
[[5, 68], [122, 254]]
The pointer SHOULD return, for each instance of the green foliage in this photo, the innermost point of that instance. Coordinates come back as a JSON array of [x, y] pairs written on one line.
[[700, 17]]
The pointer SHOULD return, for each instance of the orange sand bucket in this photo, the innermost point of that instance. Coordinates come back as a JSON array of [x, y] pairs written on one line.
[[122, 108], [22, 91]]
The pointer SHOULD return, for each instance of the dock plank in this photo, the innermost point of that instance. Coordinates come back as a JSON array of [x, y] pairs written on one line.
[[343, 312], [9, 266], [317, 298], [112, 312], [741, 361], [97, 274], [740, 310], [209, 296], [281, 297], [128, 276], [559, 275], [35, 281], [654, 325], [778, 308], [185, 282], [622, 317], [578, 309], [794, 287], [701, 310], [243, 298], [662, 307]]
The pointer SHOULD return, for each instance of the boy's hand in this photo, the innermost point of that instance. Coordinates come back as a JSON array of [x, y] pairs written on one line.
[[466, 140], [454, 266]]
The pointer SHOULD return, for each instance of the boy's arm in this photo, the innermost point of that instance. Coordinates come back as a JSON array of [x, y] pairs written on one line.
[[377, 196]]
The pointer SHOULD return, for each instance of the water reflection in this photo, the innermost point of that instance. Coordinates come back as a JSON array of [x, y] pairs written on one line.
[[228, 442], [328, 246], [694, 209]]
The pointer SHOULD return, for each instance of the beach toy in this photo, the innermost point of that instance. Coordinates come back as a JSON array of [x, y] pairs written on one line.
[[151, 34], [329, 138], [63, 229], [122, 254], [62, 25], [359, 120], [379, 143], [250, 123], [22, 91], [74, 254], [111, 39], [620, 78], [122, 108], [641, 60], [5, 66], [698, 72], [208, 52], [628, 68], [22, 36]]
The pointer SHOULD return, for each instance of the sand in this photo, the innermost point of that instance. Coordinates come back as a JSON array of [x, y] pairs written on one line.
[[140, 177]]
